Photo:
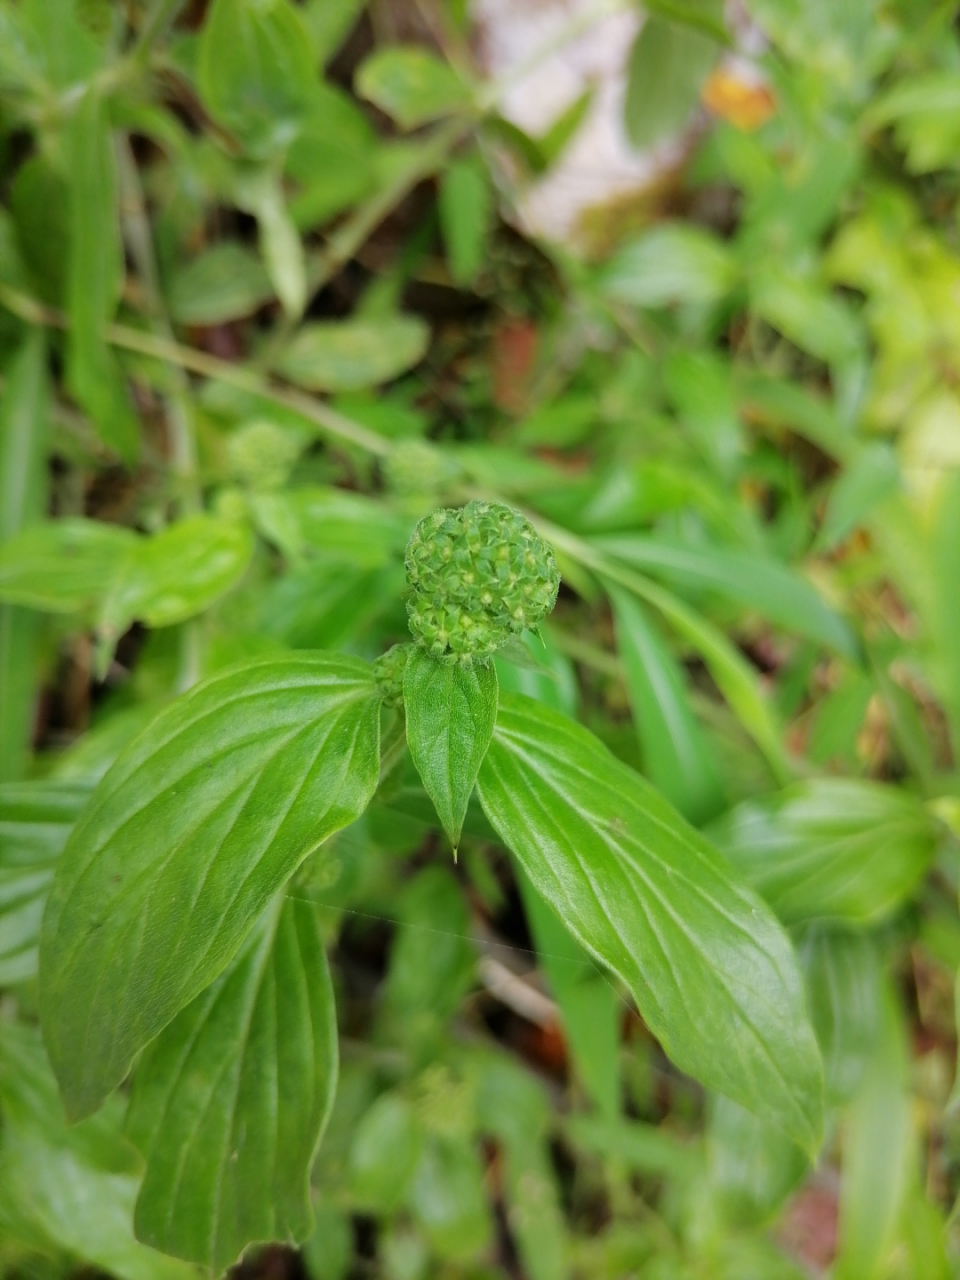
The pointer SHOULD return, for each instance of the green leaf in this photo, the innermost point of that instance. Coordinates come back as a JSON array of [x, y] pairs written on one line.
[[700, 387], [226, 282], [256, 70], [872, 476], [346, 355], [746, 577], [230, 1100], [383, 1155], [67, 1188], [712, 972], [752, 1166], [329, 23], [451, 712], [670, 264], [63, 566], [260, 192], [412, 85], [808, 314], [333, 159], [24, 429], [837, 847], [465, 208], [675, 753], [94, 279], [177, 573], [39, 203], [333, 525], [35, 820], [448, 1200], [668, 64], [187, 838], [845, 994]]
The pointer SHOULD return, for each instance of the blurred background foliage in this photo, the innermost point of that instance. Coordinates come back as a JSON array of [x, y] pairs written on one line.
[[268, 293]]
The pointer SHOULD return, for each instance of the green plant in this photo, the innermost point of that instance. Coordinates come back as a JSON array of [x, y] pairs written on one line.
[[298, 436]]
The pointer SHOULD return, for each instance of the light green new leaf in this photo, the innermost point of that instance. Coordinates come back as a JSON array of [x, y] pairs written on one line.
[[668, 64], [177, 573], [712, 972], [838, 847], [94, 278], [24, 429], [450, 717], [676, 756], [347, 355], [226, 282], [230, 1100], [412, 85], [256, 70], [187, 838], [670, 264], [63, 566], [745, 577], [464, 208], [35, 820], [329, 22], [67, 1188]]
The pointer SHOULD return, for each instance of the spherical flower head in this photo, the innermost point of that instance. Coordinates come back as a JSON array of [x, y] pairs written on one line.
[[478, 575]]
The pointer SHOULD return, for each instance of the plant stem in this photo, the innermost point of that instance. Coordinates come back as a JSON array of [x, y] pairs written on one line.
[[158, 19], [329, 421]]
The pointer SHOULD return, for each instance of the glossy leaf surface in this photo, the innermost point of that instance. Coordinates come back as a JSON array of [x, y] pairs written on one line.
[[450, 713], [711, 970], [231, 1098], [186, 840]]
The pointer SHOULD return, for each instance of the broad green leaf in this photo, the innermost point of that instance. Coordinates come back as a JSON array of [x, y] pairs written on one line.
[[333, 159], [177, 573], [187, 838], [256, 70], [63, 566], [94, 278], [68, 1188], [24, 429], [223, 283], [710, 969], [837, 847], [668, 64], [676, 756], [844, 989], [345, 355], [384, 1154], [35, 820], [672, 263], [877, 1141], [230, 1100], [450, 714], [746, 577], [465, 209], [330, 524], [412, 85], [39, 204]]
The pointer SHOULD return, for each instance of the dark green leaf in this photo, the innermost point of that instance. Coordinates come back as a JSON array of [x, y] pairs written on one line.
[[451, 712], [224, 283], [39, 204], [345, 355], [412, 85], [831, 847], [94, 279], [654, 902], [187, 838], [230, 1100], [256, 70], [675, 752], [668, 64]]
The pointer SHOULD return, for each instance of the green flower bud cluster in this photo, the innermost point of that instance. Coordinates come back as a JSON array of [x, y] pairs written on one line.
[[479, 575], [388, 672], [262, 455], [416, 467]]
